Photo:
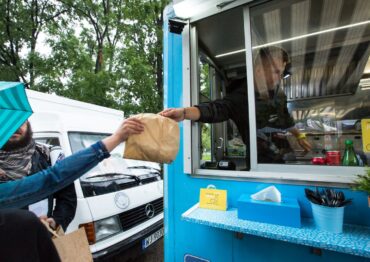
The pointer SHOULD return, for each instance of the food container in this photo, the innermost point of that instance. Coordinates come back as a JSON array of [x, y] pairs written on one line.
[[318, 160], [333, 158]]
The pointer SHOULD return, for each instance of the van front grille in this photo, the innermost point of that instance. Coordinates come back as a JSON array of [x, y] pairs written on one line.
[[140, 214]]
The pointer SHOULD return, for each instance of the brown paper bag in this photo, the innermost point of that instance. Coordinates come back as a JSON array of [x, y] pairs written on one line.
[[71, 247], [158, 143]]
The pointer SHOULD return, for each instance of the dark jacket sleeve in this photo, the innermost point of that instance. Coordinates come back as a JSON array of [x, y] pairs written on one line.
[[65, 206], [285, 119], [223, 109]]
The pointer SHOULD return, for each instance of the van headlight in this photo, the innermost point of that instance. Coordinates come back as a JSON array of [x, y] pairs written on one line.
[[107, 227]]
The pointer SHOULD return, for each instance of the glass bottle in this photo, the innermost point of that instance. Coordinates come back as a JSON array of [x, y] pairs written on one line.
[[349, 156]]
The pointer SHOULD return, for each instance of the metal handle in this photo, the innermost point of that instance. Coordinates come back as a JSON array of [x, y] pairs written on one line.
[[221, 143]]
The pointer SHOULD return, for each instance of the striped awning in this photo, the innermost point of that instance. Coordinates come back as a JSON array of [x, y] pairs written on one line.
[[14, 109]]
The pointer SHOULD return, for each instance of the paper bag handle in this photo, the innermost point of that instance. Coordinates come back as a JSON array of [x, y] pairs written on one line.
[[49, 228]]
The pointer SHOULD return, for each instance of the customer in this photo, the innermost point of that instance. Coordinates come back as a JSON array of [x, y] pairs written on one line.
[[271, 110], [30, 189], [21, 156], [22, 236]]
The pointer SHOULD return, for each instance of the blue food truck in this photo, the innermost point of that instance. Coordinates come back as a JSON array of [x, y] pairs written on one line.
[[213, 48]]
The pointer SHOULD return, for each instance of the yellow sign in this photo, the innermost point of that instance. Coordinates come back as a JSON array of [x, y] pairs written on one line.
[[365, 126], [213, 199]]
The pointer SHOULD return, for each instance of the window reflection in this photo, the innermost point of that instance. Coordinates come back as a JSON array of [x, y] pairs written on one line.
[[327, 94], [224, 129]]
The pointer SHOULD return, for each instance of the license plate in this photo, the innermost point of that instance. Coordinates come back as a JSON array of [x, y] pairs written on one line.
[[152, 238]]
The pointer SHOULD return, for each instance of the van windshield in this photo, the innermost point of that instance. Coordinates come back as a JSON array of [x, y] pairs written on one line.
[[80, 141], [115, 173]]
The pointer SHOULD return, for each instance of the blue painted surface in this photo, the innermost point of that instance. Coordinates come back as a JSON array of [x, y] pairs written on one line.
[[354, 240], [172, 63], [259, 249], [215, 244], [286, 213]]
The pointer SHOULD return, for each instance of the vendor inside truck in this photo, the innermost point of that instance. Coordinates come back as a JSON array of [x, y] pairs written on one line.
[[271, 65]]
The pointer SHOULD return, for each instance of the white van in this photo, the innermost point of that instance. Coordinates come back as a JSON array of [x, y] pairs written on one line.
[[120, 202]]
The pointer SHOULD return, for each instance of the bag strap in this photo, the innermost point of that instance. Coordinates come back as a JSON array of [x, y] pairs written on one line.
[[46, 224]]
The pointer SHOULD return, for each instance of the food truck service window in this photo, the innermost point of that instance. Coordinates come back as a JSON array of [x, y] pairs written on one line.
[[222, 85], [309, 59], [282, 84]]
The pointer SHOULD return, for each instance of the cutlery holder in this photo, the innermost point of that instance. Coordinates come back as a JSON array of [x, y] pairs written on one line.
[[328, 218]]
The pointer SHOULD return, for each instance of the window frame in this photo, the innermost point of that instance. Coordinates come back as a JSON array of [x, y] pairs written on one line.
[[44, 135], [333, 175]]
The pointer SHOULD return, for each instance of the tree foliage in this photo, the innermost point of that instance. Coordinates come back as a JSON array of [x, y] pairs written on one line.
[[103, 52], [20, 26]]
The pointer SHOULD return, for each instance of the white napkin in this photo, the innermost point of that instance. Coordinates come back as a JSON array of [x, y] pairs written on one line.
[[268, 194]]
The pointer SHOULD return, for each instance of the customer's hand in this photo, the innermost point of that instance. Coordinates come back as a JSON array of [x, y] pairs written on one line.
[[50, 221], [130, 126], [177, 114]]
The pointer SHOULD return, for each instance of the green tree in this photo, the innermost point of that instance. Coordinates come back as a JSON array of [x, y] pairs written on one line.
[[103, 52], [83, 62], [20, 26], [143, 56]]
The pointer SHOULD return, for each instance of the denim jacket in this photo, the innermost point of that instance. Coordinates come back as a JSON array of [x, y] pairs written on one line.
[[20, 193]]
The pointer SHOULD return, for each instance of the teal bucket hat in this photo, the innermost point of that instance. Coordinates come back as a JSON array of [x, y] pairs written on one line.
[[14, 109]]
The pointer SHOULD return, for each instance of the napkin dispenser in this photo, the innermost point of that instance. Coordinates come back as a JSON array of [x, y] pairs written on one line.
[[284, 213]]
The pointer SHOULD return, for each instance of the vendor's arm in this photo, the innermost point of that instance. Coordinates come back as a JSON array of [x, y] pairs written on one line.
[[180, 114], [301, 139], [211, 112], [20, 193]]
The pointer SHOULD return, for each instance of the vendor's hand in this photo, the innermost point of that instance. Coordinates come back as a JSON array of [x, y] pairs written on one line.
[[50, 221], [304, 144], [177, 114], [130, 126]]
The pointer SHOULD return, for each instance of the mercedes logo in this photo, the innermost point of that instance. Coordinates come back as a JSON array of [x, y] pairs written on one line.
[[149, 210]]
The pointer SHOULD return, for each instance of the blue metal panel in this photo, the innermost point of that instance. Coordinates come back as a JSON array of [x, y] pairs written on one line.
[[258, 249], [222, 245], [172, 90], [183, 238]]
